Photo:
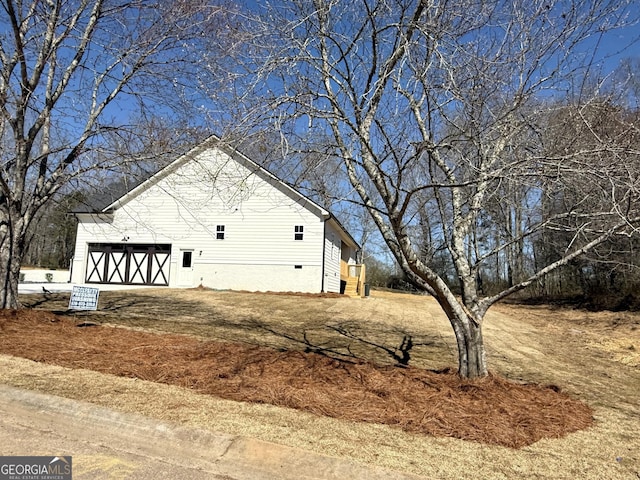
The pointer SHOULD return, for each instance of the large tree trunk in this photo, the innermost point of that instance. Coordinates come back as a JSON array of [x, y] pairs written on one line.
[[466, 321], [10, 271], [472, 361], [12, 242]]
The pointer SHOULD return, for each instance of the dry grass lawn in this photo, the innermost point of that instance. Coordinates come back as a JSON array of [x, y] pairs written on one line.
[[592, 356]]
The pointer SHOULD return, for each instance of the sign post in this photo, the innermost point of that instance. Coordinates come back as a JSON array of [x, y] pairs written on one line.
[[84, 298]]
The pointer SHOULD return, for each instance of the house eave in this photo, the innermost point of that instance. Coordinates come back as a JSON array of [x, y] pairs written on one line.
[[345, 236], [90, 215]]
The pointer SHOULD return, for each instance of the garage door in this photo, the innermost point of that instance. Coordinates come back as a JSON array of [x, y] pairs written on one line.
[[128, 264]]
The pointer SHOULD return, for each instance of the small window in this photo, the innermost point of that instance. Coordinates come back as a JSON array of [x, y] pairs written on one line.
[[220, 232], [297, 267], [298, 232], [186, 259]]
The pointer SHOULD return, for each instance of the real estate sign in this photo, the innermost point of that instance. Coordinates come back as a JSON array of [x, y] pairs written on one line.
[[84, 298]]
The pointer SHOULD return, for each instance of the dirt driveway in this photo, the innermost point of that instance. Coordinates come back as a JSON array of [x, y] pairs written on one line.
[[589, 355]]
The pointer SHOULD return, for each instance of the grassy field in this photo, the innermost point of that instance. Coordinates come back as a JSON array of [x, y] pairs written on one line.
[[593, 356]]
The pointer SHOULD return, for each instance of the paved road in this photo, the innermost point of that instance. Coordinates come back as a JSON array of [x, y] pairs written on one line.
[[106, 444], [67, 287]]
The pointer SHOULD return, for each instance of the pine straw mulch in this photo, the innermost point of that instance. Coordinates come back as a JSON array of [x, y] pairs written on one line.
[[492, 410]]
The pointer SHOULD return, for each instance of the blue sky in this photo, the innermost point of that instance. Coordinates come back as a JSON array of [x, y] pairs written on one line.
[[620, 44]]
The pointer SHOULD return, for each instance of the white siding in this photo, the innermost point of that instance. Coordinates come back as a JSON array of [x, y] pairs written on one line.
[[183, 209], [87, 225], [260, 278], [332, 255]]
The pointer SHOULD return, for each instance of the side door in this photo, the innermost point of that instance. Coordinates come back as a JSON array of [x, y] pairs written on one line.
[[185, 268]]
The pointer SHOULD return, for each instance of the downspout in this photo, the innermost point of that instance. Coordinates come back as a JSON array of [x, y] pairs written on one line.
[[71, 266], [74, 246], [324, 241]]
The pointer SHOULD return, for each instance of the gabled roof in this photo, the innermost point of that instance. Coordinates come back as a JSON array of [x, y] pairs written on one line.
[[120, 193]]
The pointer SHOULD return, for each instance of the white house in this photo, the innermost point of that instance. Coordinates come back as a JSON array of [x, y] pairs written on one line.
[[214, 218]]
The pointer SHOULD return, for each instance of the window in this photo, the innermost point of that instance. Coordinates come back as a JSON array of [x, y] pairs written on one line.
[[186, 259], [220, 232], [298, 232]]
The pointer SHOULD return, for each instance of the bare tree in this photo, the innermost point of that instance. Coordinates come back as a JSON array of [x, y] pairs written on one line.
[[72, 73], [438, 108], [585, 128]]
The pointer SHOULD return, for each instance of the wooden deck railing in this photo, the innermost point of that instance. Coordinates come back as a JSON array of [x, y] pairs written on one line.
[[344, 270], [358, 271]]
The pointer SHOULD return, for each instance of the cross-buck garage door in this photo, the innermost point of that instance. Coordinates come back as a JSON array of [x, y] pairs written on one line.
[[128, 264]]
